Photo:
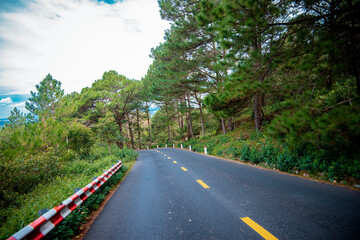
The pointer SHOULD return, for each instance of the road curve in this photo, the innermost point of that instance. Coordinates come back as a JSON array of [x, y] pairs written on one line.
[[176, 194]]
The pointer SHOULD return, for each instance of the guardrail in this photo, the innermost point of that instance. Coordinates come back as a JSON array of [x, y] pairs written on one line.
[[44, 224]]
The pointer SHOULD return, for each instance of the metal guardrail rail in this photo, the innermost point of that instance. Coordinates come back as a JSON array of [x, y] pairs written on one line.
[[44, 224]]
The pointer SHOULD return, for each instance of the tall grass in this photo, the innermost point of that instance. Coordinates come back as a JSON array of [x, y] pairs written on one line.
[[58, 179]]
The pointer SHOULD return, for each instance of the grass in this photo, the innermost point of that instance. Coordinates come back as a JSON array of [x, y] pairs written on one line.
[[78, 173]]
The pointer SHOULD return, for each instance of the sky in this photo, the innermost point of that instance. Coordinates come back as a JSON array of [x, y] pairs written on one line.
[[75, 41]]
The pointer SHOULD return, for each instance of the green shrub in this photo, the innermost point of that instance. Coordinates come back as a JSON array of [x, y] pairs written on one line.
[[125, 155], [224, 139], [306, 163], [234, 151], [269, 153], [80, 139], [248, 153], [50, 176], [332, 163], [20, 175], [286, 161], [245, 152]]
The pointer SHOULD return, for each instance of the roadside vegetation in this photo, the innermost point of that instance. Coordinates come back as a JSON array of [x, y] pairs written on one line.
[[279, 80], [274, 83], [261, 150], [48, 153]]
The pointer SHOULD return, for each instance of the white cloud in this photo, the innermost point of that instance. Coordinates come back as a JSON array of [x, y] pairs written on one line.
[[76, 41], [18, 105], [5, 101]]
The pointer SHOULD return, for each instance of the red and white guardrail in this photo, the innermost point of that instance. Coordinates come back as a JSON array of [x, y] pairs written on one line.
[[44, 224]]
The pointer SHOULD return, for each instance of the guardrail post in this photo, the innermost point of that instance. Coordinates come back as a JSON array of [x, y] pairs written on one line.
[[181, 146], [190, 148], [173, 145], [157, 146], [166, 145], [205, 150], [148, 148]]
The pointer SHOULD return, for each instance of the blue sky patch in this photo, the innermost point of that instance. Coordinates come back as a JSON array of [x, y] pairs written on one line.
[[11, 5], [8, 102], [110, 1]]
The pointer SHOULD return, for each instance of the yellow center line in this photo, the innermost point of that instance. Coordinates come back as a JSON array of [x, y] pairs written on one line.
[[259, 229], [202, 184], [169, 157], [184, 169], [165, 155], [174, 161]]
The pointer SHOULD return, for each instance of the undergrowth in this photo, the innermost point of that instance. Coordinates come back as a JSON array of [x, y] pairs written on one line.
[[76, 172], [256, 148]]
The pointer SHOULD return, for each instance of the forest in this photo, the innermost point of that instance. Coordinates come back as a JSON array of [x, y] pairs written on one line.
[[272, 83], [277, 81]]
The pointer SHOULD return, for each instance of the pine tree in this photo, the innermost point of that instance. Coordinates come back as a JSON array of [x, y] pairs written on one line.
[[45, 100]]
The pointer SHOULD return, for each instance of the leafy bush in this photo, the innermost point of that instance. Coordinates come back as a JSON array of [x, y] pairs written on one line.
[[258, 148], [269, 153], [45, 181], [286, 161], [125, 155], [234, 151], [245, 152], [80, 138], [224, 139], [20, 175]]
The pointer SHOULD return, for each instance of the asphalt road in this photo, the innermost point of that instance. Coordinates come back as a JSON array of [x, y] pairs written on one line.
[[162, 198]]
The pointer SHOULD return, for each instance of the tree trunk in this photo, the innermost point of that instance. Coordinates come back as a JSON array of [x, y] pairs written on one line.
[[188, 135], [138, 127], [201, 116], [229, 122], [169, 133], [223, 126], [190, 119], [332, 57], [181, 119], [148, 120], [168, 122], [258, 95], [179, 114], [131, 133], [120, 142], [187, 121], [354, 52], [257, 111]]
